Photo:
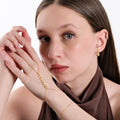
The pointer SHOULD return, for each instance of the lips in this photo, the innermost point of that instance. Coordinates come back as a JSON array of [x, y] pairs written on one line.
[[56, 68]]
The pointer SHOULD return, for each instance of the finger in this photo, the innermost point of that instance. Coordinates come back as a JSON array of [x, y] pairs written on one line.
[[24, 32], [9, 44], [21, 63], [30, 50], [16, 71], [12, 38], [28, 59], [26, 35], [32, 81], [19, 38]]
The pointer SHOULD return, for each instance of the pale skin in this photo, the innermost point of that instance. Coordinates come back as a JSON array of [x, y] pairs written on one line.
[[71, 43]]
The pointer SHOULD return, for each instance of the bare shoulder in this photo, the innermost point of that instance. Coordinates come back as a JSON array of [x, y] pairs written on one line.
[[113, 91], [22, 104]]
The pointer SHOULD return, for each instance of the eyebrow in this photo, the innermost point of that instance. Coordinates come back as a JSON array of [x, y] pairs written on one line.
[[67, 25], [40, 31], [61, 27]]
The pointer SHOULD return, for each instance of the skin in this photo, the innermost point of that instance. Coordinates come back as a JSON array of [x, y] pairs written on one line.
[[78, 52], [71, 43]]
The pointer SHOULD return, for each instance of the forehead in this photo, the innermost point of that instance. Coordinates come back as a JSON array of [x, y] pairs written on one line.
[[56, 15]]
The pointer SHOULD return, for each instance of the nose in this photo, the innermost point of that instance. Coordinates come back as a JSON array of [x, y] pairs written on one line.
[[55, 50]]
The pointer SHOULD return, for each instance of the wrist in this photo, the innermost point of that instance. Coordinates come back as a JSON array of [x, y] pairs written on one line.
[[7, 75], [52, 95], [59, 102]]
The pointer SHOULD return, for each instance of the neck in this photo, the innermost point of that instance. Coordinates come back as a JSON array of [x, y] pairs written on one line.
[[79, 85]]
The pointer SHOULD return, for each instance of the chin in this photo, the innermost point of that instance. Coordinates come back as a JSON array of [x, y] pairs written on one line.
[[61, 80]]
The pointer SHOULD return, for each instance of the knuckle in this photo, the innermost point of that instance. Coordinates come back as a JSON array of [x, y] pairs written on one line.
[[8, 34], [5, 41], [11, 45], [23, 53], [2, 39], [13, 32], [34, 67], [21, 61]]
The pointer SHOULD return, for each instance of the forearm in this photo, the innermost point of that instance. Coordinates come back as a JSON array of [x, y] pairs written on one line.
[[66, 108], [6, 85]]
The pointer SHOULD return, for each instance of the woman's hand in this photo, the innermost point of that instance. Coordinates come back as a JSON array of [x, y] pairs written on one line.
[[9, 43], [27, 60]]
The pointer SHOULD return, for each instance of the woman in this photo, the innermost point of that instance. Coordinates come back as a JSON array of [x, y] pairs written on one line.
[[75, 39]]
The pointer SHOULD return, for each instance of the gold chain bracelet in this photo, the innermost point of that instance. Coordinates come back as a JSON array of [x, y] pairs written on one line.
[[61, 115], [45, 86]]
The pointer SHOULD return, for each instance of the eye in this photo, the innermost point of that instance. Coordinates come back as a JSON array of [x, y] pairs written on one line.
[[68, 35], [44, 39]]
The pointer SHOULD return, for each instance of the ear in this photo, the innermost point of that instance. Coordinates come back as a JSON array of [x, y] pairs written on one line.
[[102, 37]]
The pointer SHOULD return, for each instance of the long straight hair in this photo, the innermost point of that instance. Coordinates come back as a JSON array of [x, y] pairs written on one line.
[[94, 13]]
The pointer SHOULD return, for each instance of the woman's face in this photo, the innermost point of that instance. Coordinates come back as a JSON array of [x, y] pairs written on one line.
[[67, 43]]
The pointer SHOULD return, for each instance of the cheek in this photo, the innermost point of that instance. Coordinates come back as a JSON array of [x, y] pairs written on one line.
[[83, 51], [43, 56], [89, 46], [83, 56], [42, 51]]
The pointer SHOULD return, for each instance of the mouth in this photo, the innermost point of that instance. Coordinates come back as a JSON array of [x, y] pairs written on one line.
[[56, 68]]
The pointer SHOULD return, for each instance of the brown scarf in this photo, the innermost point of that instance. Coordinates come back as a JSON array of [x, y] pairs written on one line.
[[93, 100]]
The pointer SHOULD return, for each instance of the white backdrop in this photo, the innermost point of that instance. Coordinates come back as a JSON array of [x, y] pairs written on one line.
[[22, 12]]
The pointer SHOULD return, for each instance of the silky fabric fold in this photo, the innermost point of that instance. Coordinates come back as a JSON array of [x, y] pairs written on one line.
[[93, 100]]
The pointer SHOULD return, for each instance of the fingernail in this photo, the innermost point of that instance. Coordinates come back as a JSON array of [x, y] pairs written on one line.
[[21, 46], [21, 42]]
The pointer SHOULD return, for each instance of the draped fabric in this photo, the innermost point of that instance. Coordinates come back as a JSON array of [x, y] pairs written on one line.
[[93, 100]]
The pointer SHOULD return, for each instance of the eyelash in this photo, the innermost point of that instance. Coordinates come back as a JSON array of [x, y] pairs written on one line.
[[68, 33], [45, 38]]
